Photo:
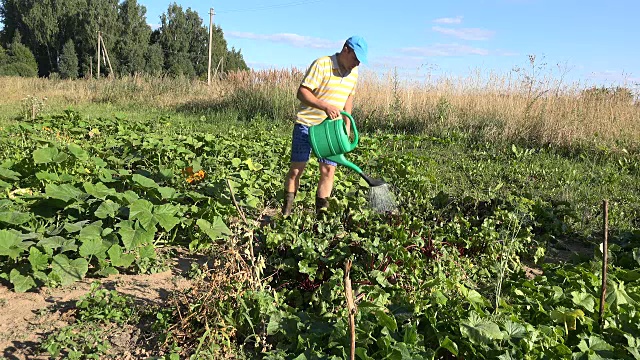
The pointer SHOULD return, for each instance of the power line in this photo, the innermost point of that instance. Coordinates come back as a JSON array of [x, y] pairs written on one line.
[[269, 7]]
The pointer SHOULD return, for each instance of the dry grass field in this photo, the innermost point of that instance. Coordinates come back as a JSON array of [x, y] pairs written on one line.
[[513, 107]]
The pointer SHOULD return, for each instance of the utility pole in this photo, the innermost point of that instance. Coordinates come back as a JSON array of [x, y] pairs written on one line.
[[98, 73], [106, 56], [210, 43]]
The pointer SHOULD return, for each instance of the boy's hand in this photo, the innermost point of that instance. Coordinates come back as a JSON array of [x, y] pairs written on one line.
[[332, 112]]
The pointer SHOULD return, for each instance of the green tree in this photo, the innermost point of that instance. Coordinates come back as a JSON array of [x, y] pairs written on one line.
[[46, 25], [18, 61], [185, 41], [4, 57], [68, 66], [198, 43], [100, 15], [609, 93], [133, 41], [154, 60], [175, 37]]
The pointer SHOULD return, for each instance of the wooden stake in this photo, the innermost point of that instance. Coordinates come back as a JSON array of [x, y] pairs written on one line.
[[351, 307], [605, 258]]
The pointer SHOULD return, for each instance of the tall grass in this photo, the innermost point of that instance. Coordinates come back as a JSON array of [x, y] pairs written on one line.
[[518, 106]]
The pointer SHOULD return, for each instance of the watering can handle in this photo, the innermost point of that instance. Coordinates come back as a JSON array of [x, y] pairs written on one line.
[[354, 143]]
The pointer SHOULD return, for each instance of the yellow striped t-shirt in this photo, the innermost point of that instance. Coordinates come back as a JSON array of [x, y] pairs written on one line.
[[326, 81]]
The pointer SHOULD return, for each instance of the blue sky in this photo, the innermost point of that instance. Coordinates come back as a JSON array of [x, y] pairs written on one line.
[[587, 41]]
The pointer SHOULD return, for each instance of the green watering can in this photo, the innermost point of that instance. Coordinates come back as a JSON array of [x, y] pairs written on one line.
[[329, 140]]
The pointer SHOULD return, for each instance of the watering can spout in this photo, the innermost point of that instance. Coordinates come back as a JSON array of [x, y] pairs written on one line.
[[342, 160], [371, 181]]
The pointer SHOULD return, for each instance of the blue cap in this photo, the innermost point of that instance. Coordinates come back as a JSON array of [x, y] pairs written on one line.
[[359, 46]]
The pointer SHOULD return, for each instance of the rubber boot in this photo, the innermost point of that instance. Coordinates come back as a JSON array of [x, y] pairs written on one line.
[[322, 205], [288, 203]]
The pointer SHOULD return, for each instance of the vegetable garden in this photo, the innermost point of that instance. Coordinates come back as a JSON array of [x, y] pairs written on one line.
[[447, 276]]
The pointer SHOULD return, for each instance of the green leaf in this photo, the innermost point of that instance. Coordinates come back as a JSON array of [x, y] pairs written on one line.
[[78, 152], [617, 295], [45, 155], [130, 197], [252, 166], [20, 282], [273, 327], [38, 259], [585, 300], [480, 331], [14, 217], [9, 174], [567, 317], [141, 210], [165, 216], [144, 182], [4, 185], [64, 192], [449, 345], [133, 235], [10, 244], [69, 271], [45, 175], [168, 193], [62, 157], [118, 258], [91, 232], [147, 252], [108, 271], [308, 268], [513, 330], [387, 321], [75, 227], [472, 296], [92, 247], [69, 245], [99, 190], [593, 345], [98, 162], [107, 209], [216, 230], [52, 243]]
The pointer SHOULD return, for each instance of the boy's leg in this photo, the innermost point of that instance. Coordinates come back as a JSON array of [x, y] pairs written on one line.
[[291, 184], [325, 185], [300, 153]]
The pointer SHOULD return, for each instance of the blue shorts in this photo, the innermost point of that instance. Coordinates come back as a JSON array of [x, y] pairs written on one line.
[[301, 146]]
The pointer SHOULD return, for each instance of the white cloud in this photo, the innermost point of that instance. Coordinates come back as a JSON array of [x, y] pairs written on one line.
[[466, 33], [506, 53], [289, 39], [155, 26], [455, 20], [614, 76], [400, 61], [445, 50]]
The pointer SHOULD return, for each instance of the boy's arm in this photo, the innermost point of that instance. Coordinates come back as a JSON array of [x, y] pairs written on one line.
[[308, 98]]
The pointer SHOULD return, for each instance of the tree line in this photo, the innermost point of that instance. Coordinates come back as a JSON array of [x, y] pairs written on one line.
[[43, 37]]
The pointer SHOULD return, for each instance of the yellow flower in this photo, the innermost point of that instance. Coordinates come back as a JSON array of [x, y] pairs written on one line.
[[193, 177]]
